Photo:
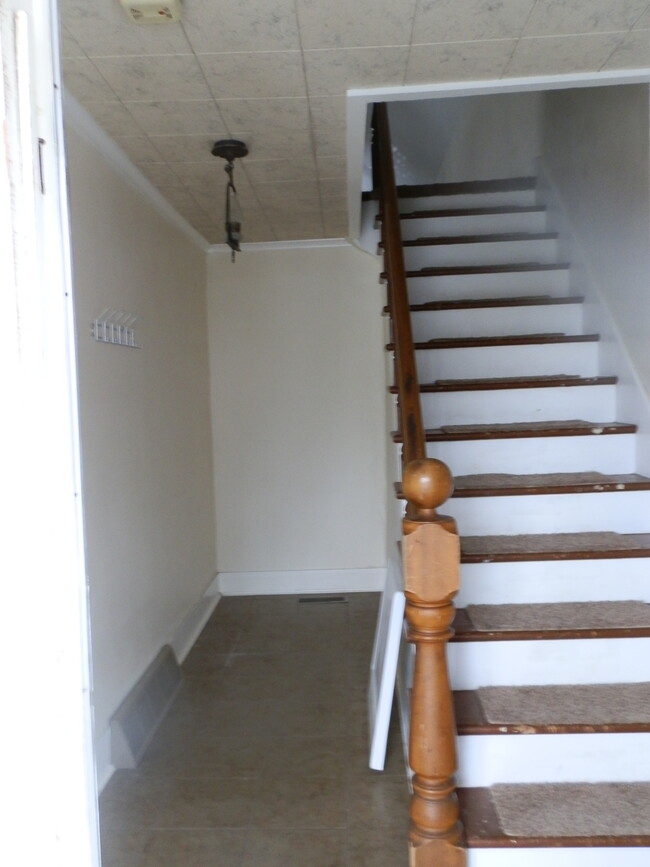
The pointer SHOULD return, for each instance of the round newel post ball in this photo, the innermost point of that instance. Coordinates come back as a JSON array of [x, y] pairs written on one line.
[[427, 483]]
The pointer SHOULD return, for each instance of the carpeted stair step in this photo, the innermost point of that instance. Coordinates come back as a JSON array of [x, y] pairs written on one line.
[[478, 303], [458, 188], [552, 621], [501, 268], [504, 340], [554, 546], [512, 382], [557, 709], [557, 815], [573, 427], [506, 484]]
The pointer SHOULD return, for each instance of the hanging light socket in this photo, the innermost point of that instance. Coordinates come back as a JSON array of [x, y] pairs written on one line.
[[231, 149]]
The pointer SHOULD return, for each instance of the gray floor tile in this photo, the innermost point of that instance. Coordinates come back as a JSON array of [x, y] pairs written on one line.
[[193, 849], [295, 849]]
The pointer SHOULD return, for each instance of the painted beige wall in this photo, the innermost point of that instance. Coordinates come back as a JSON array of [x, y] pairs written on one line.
[[145, 424], [596, 147], [298, 409]]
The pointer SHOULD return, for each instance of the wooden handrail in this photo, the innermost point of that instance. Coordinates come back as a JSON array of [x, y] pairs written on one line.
[[431, 558], [406, 375]]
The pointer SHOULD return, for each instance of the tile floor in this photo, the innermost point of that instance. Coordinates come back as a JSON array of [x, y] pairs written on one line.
[[262, 760]]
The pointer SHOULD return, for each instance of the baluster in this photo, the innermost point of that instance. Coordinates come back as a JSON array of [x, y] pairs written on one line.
[[431, 553]]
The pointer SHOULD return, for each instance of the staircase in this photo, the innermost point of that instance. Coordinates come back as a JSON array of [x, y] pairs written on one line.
[[550, 662]]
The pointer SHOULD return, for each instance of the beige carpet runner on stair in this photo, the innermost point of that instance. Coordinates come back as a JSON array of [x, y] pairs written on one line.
[[560, 615], [573, 809], [601, 704]]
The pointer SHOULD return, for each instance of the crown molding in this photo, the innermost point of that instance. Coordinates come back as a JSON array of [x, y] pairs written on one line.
[[76, 116], [260, 246]]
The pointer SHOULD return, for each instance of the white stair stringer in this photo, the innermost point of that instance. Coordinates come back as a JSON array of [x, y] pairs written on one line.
[[560, 857]]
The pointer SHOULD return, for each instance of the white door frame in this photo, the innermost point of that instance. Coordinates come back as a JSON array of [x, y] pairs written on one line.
[[49, 798], [359, 100]]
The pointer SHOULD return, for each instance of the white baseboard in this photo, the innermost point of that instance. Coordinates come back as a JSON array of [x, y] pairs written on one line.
[[191, 627], [308, 581], [104, 769]]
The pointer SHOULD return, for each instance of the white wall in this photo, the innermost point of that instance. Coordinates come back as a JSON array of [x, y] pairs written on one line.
[[466, 138], [145, 423], [298, 409], [596, 152]]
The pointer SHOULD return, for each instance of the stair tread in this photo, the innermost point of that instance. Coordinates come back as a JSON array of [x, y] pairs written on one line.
[[556, 815], [479, 238], [553, 546], [504, 484], [572, 427], [504, 268], [433, 213], [494, 185], [552, 621], [503, 340], [495, 383], [557, 709], [513, 301]]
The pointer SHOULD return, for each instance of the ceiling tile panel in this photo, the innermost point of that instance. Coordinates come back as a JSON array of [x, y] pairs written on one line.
[[330, 141], [274, 171], [283, 112], [154, 78], [289, 192], [186, 148], [551, 55], [459, 61], [102, 27], [178, 117], [274, 143], [247, 25], [85, 81], [331, 167], [278, 73], [69, 45], [336, 224], [334, 71], [333, 187], [555, 17], [138, 148], [114, 118], [633, 51], [328, 110], [644, 21], [342, 24], [162, 176], [298, 230], [467, 20]]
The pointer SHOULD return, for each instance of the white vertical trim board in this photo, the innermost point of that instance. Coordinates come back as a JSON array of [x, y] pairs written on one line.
[[48, 776], [308, 581]]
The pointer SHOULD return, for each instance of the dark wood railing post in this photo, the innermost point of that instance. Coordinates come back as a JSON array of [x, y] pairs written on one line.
[[431, 555]]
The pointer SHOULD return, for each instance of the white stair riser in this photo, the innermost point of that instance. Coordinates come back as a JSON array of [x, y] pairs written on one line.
[[501, 285], [468, 200], [554, 581], [625, 512], [536, 663], [502, 406], [534, 359], [588, 856], [579, 454], [432, 227], [486, 253], [484, 760], [497, 321]]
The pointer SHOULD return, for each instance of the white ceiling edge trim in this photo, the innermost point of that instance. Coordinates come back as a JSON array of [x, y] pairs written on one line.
[[82, 122], [358, 100], [259, 246]]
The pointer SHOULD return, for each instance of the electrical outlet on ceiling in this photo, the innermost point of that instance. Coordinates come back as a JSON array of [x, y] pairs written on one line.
[[152, 11]]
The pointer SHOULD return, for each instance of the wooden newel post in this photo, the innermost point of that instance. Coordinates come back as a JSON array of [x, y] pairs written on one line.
[[431, 552]]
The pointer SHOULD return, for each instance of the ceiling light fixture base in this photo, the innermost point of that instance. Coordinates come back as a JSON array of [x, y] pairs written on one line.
[[229, 149]]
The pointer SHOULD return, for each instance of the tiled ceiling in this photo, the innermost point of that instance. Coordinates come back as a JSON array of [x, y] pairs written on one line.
[[274, 73]]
